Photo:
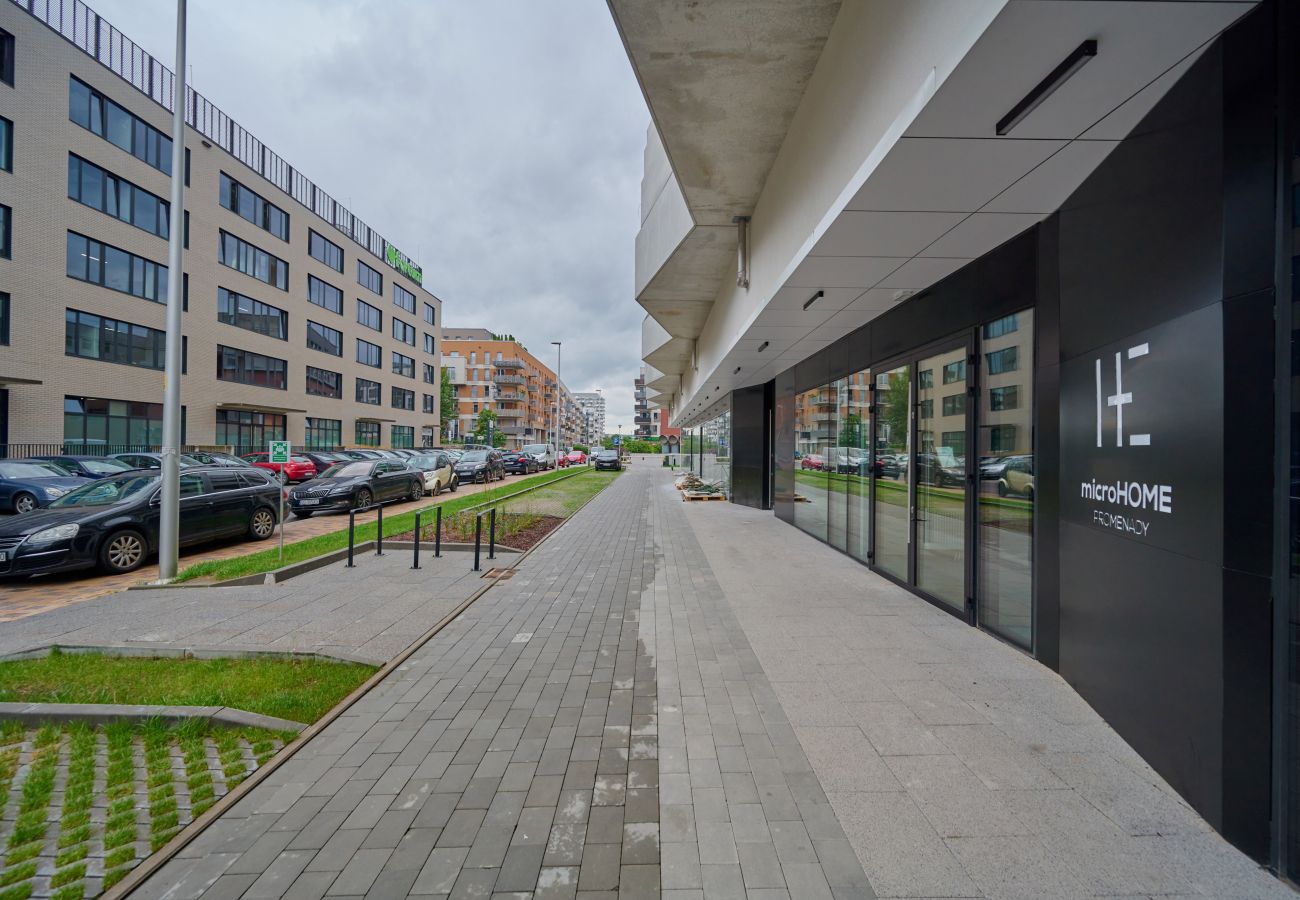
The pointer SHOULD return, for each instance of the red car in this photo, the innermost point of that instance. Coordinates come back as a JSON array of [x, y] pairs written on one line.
[[812, 461], [561, 461], [298, 468], [576, 458]]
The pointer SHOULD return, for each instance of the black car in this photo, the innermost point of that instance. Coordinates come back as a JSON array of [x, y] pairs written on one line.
[[217, 458], [324, 459], [608, 459], [480, 465], [517, 462], [88, 466], [112, 523], [355, 484]]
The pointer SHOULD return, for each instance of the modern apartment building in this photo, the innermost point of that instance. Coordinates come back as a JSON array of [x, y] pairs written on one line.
[[300, 321], [591, 411], [997, 298], [494, 371], [641, 424]]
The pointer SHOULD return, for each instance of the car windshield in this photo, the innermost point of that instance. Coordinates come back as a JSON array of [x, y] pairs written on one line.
[[347, 470], [30, 470], [474, 456], [424, 462], [608, 454], [106, 492], [535, 448], [105, 466]]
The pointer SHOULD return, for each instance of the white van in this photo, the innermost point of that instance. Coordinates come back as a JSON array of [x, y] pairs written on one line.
[[543, 453]]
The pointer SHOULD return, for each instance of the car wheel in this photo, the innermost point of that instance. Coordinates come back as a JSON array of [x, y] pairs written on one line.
[[437, 488], [362, 499], [262, 524], [417, 489], [124, 551], [455, 483], [24, 503], [1029, 493], [1002, 488]]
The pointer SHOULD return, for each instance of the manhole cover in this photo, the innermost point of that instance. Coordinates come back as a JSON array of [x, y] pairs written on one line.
[[500, 574]]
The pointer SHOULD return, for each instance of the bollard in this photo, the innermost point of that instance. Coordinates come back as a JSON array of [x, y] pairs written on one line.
[[415, 563], [379, 535], [352, 525], [492, 534], [478, 537], [437, 534]]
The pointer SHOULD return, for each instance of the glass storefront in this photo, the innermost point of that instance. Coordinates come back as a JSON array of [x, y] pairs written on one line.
[[892, 530], [711, 446]]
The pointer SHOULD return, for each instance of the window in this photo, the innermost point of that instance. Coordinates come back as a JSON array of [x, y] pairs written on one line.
[[428, 402], [325, 251], [1002, 439], [999, 327], [954, 405], [92, 186], [954, 372], [369, 278], [6, 57], [98, 337], [323, 434], [370, 316], [1004, 398], [369, 354], [252, 261], [403, 365], [247, 430], [252, 315], [246, 367], [324, 383], [6, 231], [1003, 361], [4, 319], [112, 426], [93, 111], [429, 346], [403, 399], [926, 377], [473, 390], [368, 391], [105, 265], [403, 298], [254, 207], [429, 314], [6, 145], [473, 358], [324, 295], [430, 374], [925, 409], [367, 434], [404, 332], [402, 436], [955, 441], [498, 356], [324, 339]]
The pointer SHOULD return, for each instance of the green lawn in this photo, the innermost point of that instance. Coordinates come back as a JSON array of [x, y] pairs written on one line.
[[299, 690], [268, 559]]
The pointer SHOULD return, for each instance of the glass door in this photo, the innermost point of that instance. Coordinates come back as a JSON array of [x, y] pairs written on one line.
[[939, 477], [891, 504]]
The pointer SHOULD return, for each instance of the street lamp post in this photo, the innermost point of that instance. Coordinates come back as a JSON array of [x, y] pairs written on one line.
[[169, 513], [557, 395]]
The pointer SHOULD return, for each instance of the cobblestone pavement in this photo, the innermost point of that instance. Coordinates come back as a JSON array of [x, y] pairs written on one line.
[[369, 613], [22, 598]]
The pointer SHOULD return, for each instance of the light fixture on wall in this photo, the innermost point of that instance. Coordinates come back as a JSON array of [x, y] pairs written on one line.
[[814, 298], [737, 372], [763, 346], [1045, 88]]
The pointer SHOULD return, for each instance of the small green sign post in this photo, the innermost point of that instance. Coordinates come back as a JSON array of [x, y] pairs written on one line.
[[279, 453]]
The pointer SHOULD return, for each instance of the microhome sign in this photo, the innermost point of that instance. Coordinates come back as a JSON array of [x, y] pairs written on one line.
[[1141, 440], [397, 259]]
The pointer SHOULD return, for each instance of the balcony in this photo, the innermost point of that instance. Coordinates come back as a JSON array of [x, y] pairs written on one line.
[[509, 364], [641, 420], [512, 396], [513, 430], [509, 379]]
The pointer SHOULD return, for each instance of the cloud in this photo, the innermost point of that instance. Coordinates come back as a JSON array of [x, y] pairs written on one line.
[[497, 142]]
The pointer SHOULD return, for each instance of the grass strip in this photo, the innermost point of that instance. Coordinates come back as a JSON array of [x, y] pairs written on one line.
[[163, 817], [301, 690], [17, 891], [299, 551]]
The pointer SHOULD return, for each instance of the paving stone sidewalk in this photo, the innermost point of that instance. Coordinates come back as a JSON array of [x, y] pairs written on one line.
[[595, 727]]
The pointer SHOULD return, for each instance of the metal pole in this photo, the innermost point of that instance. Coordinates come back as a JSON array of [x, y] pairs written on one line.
[[415, 564], [555, 435], [352, 527], [283, 489], [478, 537], [169, 519], [492, 533], [379, 535], [437, 534]]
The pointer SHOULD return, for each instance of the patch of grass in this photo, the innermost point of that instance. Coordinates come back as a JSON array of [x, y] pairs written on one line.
[[71, 855], [23, 853], [295, 689], [119, 838], [119, 857], [17, 892], [68, 875], [18, 873], [69, 892], [111, 877], [267, 560], [74, 836]]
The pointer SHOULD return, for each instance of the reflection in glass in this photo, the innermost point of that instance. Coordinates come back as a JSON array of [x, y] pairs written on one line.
[[1006, 477], [941, 480], [855, 442], [893, 449], [712, 461], [814, 422]]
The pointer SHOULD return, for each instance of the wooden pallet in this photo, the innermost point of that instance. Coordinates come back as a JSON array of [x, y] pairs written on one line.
[[689, 496]]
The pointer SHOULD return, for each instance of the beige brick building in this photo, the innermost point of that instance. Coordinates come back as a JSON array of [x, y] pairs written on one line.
[[300, 322]]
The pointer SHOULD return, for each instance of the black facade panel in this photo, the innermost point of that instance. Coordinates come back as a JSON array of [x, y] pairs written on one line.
[[1047, 449], [1247, 737], [749, 449], [1248, 434]]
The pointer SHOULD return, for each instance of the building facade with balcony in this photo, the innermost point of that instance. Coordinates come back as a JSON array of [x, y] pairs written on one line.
[[300, 321], [642, 427], [591, 414], [495, 372]]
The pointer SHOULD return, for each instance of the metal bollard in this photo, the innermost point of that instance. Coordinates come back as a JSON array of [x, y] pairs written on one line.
[[492, 533], [437, 534], [352, 527], [379, 535], [415, 563], [478, 537]]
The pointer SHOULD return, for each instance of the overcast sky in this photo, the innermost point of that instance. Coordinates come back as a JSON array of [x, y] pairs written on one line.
[[497, 142]]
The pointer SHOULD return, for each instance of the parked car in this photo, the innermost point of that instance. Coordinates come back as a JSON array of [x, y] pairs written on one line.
[[608, 459], [931, 469], [26, 485], [561, 460], [112, 522], [887, 466], [153, 460], [298, 468], [543, 453], [811, 461], [480, 465], [439, 472], [517, 462], [1018, 477], [216, 458], [355, 484], [324, 459], [475, 447], [362, 454], [577, 458], [87, 466]]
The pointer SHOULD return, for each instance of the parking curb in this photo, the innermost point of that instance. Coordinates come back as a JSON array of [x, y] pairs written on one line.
[[108, 713]]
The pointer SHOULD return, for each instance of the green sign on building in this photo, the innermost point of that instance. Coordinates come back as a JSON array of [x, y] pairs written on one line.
[[397, 259]]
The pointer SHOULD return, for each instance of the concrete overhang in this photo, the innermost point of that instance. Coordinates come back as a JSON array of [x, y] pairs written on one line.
[[939, 187]]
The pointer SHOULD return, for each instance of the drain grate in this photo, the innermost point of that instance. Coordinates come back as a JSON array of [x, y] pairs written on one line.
[[500, 574]]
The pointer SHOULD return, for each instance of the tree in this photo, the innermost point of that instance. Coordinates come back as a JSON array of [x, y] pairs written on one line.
[[852, 433], [894, 409], [487, 421], [447, 404]]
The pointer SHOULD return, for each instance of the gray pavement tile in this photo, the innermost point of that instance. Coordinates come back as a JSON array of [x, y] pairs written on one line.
[[722, 882], [461, 828], [557, 883], [310, 886], [440, 871], [605, 825], [565, 844], [759, 866], [360, 873], [639, 882], [680, 863], [521, 867], [473, 884], [600, 866]]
